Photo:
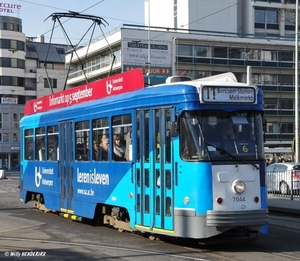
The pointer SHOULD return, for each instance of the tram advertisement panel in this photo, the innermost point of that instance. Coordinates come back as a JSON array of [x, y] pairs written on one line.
[[117, 84]]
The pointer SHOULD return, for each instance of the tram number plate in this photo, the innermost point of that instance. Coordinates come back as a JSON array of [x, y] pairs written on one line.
[[238, 199]]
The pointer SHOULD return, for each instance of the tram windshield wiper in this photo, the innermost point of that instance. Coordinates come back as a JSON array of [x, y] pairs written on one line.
[[225, 152]]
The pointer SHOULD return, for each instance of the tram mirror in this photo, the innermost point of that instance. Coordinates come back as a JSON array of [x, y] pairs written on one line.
[[174, 129], [265, 129], [265, 125]]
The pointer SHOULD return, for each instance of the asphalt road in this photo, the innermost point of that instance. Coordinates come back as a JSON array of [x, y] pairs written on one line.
[[29, 234]]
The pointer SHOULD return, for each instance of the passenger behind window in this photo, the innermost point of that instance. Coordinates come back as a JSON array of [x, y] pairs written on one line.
[[42, 152], [128, 144], [52, 151], [96, 151], [104, 151], [225, 130], [119, 149], [104, 137]]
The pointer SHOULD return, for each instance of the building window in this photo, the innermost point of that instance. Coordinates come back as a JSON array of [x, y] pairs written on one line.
[[60, 51], [31, 48], [202, 51], [271, 104], [286, 56], [237, 53], [270, 79], [15, 137], [269, 55], [286, 79], [280, 127], [5, 137], [184, 49], [16, 121], [220, 52], [253, 54], [10, 80], [5, 44], [12, 63], [256, 78], [289, 18], [266, 19], [53, 83]]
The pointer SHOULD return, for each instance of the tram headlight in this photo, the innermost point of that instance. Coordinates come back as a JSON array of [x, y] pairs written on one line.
[[238, 186]]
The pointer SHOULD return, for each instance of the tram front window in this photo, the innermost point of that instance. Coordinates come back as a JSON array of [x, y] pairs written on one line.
[[220, 135]]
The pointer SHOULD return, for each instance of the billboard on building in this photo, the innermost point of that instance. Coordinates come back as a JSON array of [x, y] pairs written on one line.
[[9, 100], [137, 52]]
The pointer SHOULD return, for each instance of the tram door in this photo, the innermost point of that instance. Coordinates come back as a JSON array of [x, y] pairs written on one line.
[[65, 165], [153, 174]]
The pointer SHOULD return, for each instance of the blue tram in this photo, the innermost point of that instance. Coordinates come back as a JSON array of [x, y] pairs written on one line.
[[190, 158]]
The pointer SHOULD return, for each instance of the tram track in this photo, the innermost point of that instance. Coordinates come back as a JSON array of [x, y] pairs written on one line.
[[233, 250], [226, 252]]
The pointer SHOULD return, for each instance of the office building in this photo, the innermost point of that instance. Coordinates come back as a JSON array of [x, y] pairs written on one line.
[[200, 38]]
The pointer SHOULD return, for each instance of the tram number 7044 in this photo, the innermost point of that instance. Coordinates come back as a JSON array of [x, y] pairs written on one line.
[[238, 199]]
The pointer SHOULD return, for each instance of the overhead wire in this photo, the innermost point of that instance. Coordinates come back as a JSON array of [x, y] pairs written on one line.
[[62, 9]]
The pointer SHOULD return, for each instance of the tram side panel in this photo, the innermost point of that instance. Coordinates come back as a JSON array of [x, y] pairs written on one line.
[[41, 179], [105, 183]]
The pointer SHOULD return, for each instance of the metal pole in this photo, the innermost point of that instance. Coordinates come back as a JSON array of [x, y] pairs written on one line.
[[149, 49], [296, 85]]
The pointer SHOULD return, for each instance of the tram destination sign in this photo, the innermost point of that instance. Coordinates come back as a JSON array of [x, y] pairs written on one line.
[[113, 85], [214, 94]]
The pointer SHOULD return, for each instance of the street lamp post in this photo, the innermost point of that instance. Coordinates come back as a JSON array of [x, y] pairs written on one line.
[[296, 85]]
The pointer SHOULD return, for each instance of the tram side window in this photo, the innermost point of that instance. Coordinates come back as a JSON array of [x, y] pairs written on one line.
[[40, 143], [82, 130], [52, 133], [100, 137], [29, 145], [121, 127]]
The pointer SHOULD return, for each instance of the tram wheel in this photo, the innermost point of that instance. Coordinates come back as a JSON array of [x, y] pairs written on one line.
[[152, 237]]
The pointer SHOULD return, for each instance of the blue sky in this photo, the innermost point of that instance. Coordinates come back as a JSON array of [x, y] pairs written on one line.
[[116, 12]]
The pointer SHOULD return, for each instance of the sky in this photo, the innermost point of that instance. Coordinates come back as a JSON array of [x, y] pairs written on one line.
[[34, 14]]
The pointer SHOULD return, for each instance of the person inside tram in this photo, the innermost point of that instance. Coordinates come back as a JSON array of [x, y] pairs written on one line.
[[225, 130], [128, 144], [104, 151], [119, 149], [96, 150], [42, 151], [103, 138]]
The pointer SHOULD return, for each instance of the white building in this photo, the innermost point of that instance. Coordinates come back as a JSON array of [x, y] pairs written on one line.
[[22, 78]]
